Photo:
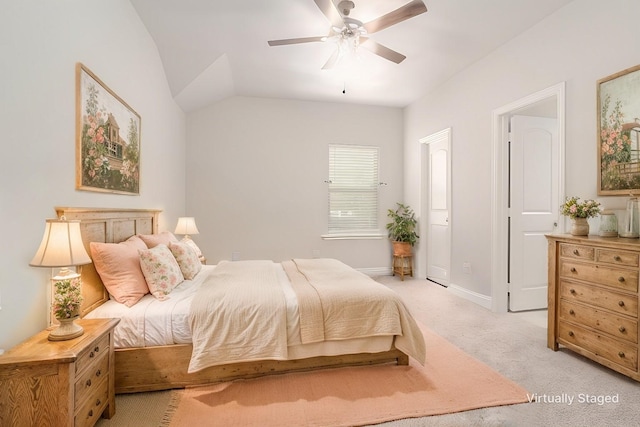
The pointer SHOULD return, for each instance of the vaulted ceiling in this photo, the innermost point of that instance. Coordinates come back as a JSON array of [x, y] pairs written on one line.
[[212, 49]]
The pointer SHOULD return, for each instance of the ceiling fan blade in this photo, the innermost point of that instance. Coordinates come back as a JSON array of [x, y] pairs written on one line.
[[332, 60], [296, 41], [381, 50], [329, 10], [409, 10]]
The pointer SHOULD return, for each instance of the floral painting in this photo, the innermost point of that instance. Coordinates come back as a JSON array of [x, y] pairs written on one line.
[[619, 133], [108, 138]]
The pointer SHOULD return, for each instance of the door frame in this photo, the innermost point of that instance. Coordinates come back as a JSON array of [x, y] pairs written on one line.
[[500, 180], [443, 135]]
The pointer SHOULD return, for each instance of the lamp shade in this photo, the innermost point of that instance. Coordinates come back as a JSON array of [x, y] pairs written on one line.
[[61, 245], [186, 225]]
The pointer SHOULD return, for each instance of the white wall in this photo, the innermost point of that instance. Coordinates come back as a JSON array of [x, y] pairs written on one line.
[[40, 43], [255, 177], [581, 43]]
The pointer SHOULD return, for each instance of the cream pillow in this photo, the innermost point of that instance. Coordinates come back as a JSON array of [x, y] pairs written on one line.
[[187, 258], [161, 270], [118, 265], [193, 246], [152, 240]]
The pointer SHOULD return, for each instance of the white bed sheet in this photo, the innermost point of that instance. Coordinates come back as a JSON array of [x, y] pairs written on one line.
[[152, 322]]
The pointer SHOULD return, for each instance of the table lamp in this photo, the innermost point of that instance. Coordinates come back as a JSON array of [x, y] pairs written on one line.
[[186, 225]]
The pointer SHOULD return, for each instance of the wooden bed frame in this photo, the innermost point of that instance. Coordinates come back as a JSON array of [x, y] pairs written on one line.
[[165, 367]]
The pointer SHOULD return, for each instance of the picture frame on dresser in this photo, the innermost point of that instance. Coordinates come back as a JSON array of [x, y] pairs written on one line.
[[107, 138], [618, 137]]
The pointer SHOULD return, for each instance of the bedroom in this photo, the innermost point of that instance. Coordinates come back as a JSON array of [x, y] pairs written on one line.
[[42, 41]]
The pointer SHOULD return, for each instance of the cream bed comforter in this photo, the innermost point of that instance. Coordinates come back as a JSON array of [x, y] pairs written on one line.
[[239, 313]]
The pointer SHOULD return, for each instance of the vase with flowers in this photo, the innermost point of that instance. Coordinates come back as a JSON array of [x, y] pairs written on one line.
[[579, 212], [66, 308]]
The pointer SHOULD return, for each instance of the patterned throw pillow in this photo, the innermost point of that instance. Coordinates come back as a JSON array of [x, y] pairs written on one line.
[[187, 258], [161, 270]]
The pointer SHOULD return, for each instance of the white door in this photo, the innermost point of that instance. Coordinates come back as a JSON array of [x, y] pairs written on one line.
[[438, 234], [533, 208]]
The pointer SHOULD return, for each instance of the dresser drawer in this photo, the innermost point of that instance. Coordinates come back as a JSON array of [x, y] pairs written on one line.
[[91, 354], [599, 297], [629, 259], [577, 252], [90, 379], [92, 408], [610, 323], [616, 351], [611, 276]]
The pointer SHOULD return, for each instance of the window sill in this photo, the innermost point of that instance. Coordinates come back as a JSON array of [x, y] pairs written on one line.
[[353, 236]]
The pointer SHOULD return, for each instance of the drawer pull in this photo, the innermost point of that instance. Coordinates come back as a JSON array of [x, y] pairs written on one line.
[[622, 329], [617, 258], [573, 270], [576, 252], [98, 402], [90, 413], [621, 279], [95, 350], [571, 333], [573, 291], [621, 354], [621, 303], [571, 312], [88, 383]]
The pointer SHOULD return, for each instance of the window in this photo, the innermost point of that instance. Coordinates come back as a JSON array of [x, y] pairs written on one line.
[[353, 191]]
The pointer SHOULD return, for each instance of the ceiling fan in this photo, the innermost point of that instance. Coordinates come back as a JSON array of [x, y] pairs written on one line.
[[349, 33]]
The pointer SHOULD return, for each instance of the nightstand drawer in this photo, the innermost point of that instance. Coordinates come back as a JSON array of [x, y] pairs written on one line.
[[91, 354], [613, 324], [90, 379], [599, 297], [90, 411], [611, 276], [611, 349], [577, 251]]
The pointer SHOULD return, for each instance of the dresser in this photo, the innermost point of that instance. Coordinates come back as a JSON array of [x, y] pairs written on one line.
[[60, 383], [593, 299]]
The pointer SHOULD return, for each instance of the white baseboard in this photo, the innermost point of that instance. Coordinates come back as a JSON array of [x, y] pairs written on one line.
[[482, 300], [375, 271]]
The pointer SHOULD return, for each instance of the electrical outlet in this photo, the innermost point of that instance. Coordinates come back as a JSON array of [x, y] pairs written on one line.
[[466, 267]]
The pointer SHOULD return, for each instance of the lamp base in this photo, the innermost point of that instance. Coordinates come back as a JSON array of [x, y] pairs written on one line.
[[66, 331]]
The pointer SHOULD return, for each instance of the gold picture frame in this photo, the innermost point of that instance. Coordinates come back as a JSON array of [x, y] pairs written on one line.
[[107, 138], [619, 133]]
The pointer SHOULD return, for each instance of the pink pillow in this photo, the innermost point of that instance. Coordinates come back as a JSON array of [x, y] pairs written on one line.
[[152, 240], [161, 270], [187, 258], [119, 268]]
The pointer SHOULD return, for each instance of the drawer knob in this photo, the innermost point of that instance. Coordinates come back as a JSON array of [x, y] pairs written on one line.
[[573, 269], [621, 279], [617, 258], [98, 373], [98, 402], [572, 312], [622, 329], [573, 291], [621, 354], [621, 303], [576, 252], [88, 383], [90, 413], [571, 333]]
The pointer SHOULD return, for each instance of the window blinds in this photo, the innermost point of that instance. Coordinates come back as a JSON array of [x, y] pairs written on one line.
[[353, 189]]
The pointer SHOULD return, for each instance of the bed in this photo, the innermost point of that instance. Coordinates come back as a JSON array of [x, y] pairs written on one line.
[[161, 358]]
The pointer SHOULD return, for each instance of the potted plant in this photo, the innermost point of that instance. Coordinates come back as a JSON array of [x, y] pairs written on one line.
[[579, 212], [402, 229]]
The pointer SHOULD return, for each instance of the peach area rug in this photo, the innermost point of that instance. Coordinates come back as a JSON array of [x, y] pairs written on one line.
[[451, 381]]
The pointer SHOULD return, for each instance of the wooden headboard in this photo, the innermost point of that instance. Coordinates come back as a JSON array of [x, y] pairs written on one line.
[[106, 226]]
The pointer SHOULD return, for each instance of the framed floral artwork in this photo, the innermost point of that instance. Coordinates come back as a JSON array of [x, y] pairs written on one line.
[[107, 138], [619, 133]]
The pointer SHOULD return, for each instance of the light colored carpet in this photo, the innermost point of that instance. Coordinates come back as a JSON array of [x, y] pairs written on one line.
[[450, 381], [508, 342]]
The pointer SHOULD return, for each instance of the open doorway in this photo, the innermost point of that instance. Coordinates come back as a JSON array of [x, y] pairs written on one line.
[[546, 103]]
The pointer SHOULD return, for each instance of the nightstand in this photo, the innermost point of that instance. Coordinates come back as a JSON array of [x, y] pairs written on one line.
[[60, 383]]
